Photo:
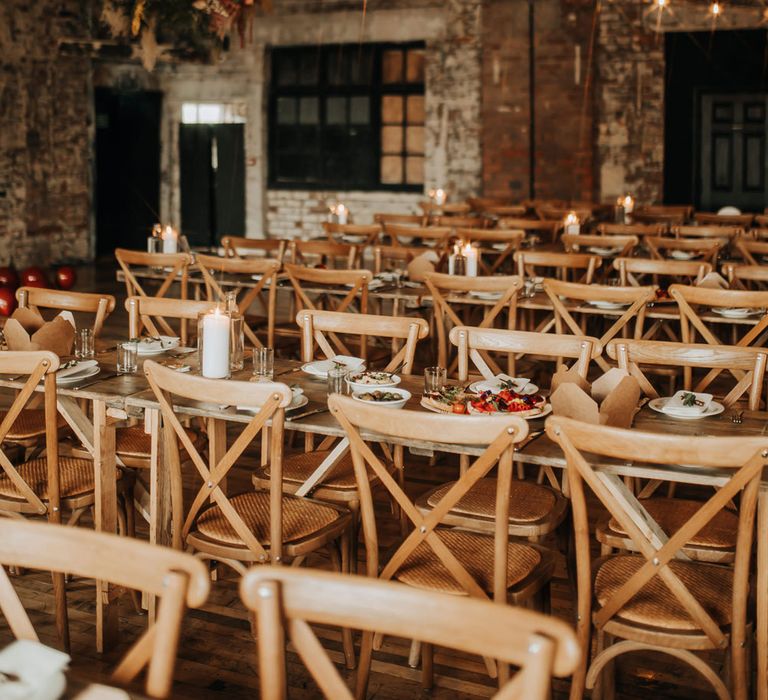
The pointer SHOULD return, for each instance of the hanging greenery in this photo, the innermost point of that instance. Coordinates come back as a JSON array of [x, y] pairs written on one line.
[[191, 27]]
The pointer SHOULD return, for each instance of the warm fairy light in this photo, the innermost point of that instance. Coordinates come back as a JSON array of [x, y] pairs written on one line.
[[571, 218], [716, 9]]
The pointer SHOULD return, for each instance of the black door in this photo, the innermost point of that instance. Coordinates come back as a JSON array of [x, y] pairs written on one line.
[[127, 168], [212, 163], [733, 163]]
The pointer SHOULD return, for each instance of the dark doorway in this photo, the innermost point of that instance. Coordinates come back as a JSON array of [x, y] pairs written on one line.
[[715, 121], [127, 168], [212, 164]]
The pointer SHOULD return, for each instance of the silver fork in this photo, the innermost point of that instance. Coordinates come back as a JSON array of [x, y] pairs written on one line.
[[736, 417]]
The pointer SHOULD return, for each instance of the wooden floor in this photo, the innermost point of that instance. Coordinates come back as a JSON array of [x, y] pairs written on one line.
[[217, 657]]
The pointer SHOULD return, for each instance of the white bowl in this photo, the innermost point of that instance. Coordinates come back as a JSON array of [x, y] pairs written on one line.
[[385, 404], [394, 380]]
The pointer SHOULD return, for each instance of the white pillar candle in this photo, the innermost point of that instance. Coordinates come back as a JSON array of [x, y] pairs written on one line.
[[215, 359], [439, 197], [170, 240], [470, 253], [629, 204], [342, 213], [571, 223]]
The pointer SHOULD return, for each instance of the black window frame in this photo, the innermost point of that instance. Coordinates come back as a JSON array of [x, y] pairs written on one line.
[[323, 90]]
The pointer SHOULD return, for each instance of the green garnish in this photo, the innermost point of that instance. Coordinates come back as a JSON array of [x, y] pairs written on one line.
[[689, 399]]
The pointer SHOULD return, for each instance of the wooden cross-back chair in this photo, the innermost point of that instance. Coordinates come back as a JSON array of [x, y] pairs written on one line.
[[710, 219], [100, 305], [754, 277], [548, 213], [254, 526], [457, 221], [639, 230], [604, 245], [406, 219], [356, 234], [759, 233], [450, 294], [431, 208], [658, 599], [580, 267], [464, 563], [151, 314], [723, 233], [691, 300], [500, 243], [177, 578], [501, 211], [431, 236], [387, 258], [633, 302], [260, 278], [752, 251], [240, 247], [286, 601], [705, 249], [328, 253], [532, 227], [662, 214], [636, 271]]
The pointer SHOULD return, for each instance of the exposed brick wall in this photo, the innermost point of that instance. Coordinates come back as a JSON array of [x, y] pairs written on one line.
[[45, 135]]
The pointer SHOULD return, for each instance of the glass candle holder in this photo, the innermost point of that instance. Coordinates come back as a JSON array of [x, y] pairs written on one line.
[[237, 330], [127, 357], [84, 349], [264, 364]]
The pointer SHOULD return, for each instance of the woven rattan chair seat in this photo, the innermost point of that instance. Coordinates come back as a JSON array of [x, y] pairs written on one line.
[[301, 518], [76, 476], [298, 468], [423, 569], [655, 606], [132, 441], [527, 502], [30, 423], [672, 513]]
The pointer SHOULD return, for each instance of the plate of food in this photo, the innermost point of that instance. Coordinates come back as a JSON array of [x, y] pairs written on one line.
[[687, 405], [387, 398], [449, 399], [74, 371], [319, 368], [372, 379], [298, 399], [156, 344], [503, 381], [506, 401]]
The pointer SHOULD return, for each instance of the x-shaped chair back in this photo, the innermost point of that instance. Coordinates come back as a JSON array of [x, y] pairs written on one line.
[[742, 458], [405, 219], [322, 328], [437, 237], [724, 234], [530, 226], [504, 242], [244, 271], [39, 366], [174, 266], [663, 248], [550, 213], [169, 386], [498, 433], [180, 580], [453, 221], [710, 219], [329, 254], [474, 344], [633, 298], [287, 600], [449, 298], [363, 235], [448, 208], [100, 305], [151, 314], [638, 271], [620, 245], [393, 257], [639, 230], [532, 263], [754, 277], [663, 214], [752, 251], [631, 355], [239, 247]]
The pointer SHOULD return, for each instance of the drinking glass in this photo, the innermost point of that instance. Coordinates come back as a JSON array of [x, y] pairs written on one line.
[[336, 380], [434, 378], [127, 357], [154, 245], [263, 364], [84, 349], [529, 288]]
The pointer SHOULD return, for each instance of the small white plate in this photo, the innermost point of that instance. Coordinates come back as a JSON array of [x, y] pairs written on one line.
[[298, 402], [150, 346], [78, 376], [353, 239], [713, 409], [494, 385], [735, 312], [603, 252], [487, 296], [608, 305], [319, 368], [682, 255], [501, 247], [394, 380]]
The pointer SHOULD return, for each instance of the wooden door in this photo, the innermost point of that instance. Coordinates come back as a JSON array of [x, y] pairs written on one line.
[[733, 164]]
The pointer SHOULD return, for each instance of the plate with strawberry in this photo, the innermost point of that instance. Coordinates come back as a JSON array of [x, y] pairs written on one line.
[[508, 401]]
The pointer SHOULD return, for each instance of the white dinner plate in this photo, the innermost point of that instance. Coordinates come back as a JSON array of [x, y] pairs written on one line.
[[487, 296], [495, 385], [607, 304], [298, 402], [501, 247], [603, 252], [683, 255], [734, 312], [78, 376], [319, 368], [714, 409], [152, 346]]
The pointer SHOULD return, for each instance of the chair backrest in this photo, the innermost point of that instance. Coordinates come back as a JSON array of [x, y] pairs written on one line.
[[724, 233], [475, 344], [709, 219], [752, 251], [633, 299], [633, 355], [447, 209], [169, 268], [251, 279], [639, 230], [622, 246], [532, 262], [324, 327], [706, 249], [497, 434], [659, 213], [530, 226], [37, 366], [287, 600], [500, 211], [405, 235], [357, 234], [180, 580], [240, 247], [504, 241], [747, 276], [407, 219], [548, 213], [450, 294], [151, 314], [454, 221], [329, 254], [388, 257], [169, 386], [100, 305], [741, 458], [635, 271]]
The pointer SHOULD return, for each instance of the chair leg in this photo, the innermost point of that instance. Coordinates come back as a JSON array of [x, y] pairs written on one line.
[[605, 687], [414, 654], [427, 666], [62, 618], [340, 563]]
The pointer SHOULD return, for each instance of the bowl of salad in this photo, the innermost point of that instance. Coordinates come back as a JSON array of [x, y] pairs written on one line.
[[388, 398], [371, 379]]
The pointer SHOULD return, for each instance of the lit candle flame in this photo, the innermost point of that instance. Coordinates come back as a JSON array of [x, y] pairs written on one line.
[[466, 250], [571, 219], [715, 9]]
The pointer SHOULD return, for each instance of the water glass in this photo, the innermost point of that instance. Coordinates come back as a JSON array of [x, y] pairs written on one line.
[[154, 245], [264, 364], [84, 349], [529, 288], [337, 380], [127, 357], [434, 379]]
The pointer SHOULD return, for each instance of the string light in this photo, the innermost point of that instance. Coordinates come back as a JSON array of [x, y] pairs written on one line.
[[716, 9], [659, 7]]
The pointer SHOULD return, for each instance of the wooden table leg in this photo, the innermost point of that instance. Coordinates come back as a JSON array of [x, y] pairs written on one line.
[[761, 660], [107, 632]]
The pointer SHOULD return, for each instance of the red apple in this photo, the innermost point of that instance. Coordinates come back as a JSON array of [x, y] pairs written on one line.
[[7, 301], [66, 277], [9, 277], [33, 277]]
